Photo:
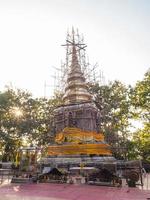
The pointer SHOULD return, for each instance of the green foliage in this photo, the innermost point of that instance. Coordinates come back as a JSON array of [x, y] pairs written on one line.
[[113, 101], [140, 100], [142, 142], [24, 121], [119, 105], [141, 96]]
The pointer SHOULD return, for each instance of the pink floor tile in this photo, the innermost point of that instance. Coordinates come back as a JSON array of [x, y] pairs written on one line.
[[50, 191]]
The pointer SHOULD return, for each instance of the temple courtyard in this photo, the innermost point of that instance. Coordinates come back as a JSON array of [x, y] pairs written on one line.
[[45, 191]]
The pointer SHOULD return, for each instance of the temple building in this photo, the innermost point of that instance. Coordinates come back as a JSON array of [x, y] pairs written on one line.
[[77, 122], [79, 153]]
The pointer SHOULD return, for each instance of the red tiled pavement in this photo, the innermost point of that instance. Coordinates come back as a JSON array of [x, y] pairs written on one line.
[[50, 191]]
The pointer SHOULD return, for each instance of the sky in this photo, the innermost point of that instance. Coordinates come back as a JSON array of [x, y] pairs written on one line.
[[117, 34]]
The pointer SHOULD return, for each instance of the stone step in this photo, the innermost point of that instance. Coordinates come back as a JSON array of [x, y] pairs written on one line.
[[100, 183], [21, 180]]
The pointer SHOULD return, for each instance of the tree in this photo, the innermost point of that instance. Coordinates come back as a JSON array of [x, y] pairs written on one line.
[[24, 121], [9, 121], [140, 99], [114, 104], [142, 142]]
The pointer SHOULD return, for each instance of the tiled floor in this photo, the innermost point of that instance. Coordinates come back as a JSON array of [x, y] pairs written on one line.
[[50, 191]]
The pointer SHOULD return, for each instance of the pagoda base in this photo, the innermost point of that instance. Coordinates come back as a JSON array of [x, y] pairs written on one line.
[[99, 148], [68, 161]]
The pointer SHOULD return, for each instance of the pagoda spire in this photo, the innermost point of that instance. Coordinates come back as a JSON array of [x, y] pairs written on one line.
[[76, 89], [75, 67]]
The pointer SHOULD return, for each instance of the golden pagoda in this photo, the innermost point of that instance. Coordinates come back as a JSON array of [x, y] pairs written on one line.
[[77, 122]]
